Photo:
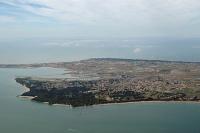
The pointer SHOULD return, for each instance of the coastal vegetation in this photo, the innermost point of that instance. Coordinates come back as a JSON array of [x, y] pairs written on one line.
[[100, 81]]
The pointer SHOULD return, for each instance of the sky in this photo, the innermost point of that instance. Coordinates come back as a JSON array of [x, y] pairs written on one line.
[[34, 31], [20, 19]]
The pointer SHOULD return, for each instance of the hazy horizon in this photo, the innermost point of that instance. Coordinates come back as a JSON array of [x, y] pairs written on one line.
[[34, 31], [98, 96], [63, 50]]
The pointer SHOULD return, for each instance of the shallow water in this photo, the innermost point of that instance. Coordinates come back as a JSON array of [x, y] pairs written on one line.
[[18, 115]]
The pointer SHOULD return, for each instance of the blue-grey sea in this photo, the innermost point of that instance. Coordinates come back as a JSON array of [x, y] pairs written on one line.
[[18, 115], [56, 50]]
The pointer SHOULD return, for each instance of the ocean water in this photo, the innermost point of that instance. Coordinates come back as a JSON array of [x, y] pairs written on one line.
[[18, 115], [56, 50]]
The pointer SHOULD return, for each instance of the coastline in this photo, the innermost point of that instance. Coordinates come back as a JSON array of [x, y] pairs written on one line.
[[26, 89], [148, 102], [26, 97], [125, 103], [122, 103]]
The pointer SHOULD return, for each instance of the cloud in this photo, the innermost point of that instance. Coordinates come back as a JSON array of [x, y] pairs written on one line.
[[137, 50], [128, 17], [137, 46], [92, 11], [62, 44]]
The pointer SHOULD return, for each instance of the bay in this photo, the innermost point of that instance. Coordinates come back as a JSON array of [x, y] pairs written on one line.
[[18, 115]]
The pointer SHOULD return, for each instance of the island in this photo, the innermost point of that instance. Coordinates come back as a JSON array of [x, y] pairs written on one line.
[[110, 80]]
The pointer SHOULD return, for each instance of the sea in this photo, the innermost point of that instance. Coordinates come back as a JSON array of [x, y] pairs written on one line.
[[62, 50], [21, 115]]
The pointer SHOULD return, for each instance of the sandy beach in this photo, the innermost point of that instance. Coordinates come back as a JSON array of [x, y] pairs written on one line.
[[26, 89], [137, 102]]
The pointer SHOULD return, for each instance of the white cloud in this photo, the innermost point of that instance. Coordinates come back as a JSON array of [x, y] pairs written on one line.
[[137, 50], [129, 17], [131, 44], [114, 11]]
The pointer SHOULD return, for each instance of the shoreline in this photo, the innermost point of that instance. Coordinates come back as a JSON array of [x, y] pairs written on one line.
[[125, 103], [148, 102], [26, 89], [108, 104], [122, 103], [26, 97]]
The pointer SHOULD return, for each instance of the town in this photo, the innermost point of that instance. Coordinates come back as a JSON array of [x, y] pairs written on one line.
[[101, 81]]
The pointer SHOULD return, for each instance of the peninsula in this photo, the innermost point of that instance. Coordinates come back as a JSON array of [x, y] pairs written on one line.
[[107, 80]]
